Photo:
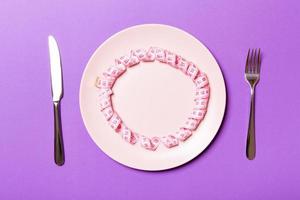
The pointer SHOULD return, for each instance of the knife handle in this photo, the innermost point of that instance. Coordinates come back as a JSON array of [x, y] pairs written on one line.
[[59, 154]]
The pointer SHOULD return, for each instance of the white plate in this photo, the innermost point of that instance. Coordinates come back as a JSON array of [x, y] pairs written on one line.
[[152, 98]]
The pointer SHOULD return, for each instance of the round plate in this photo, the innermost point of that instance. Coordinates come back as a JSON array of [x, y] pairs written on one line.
[[152, 98]]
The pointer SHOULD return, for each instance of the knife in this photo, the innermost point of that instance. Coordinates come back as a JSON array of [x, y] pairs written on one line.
[[57, 94]]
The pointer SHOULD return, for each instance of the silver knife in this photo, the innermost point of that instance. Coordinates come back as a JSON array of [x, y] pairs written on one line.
[[57, 94]]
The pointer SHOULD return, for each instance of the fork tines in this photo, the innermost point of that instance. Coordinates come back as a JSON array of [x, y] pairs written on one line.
[[253, 61]]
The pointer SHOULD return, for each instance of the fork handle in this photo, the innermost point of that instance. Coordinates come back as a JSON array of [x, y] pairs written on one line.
[[59, 155], [251, 146]]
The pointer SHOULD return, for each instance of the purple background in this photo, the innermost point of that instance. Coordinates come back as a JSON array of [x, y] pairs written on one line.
[[227, 27]]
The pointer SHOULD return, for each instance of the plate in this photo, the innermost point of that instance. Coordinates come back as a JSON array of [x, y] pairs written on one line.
[[152, 98]]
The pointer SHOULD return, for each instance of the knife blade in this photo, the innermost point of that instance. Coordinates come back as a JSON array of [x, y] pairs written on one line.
[[57, 94], [56, 72]]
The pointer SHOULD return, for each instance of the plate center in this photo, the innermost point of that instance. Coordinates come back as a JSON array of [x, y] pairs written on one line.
[[153, 98]]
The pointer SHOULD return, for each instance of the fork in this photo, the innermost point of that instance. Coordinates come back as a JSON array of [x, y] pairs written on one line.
[[252, 75]]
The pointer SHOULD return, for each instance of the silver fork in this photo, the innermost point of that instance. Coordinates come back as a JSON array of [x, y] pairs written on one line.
[[252, 75]]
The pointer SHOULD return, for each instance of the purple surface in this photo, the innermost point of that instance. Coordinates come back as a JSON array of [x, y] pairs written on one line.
[[227, 27]]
